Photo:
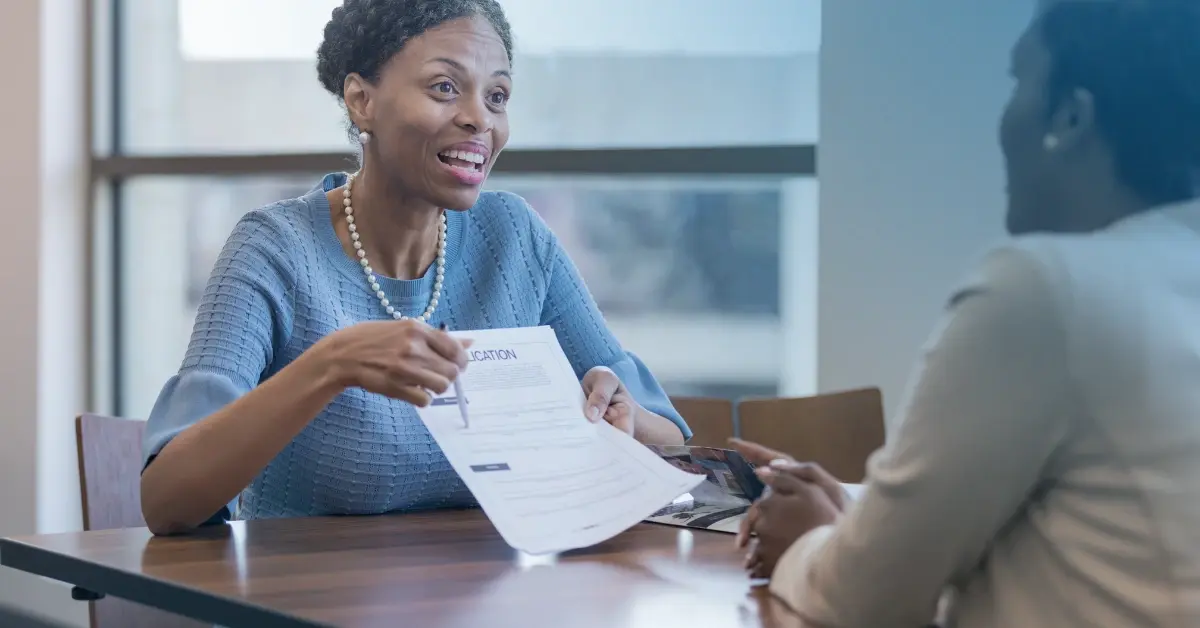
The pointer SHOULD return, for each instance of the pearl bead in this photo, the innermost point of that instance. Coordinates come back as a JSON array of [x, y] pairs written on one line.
[[370, 272]]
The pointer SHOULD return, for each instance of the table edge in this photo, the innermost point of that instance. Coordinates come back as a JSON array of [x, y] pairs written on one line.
[[142, 589]]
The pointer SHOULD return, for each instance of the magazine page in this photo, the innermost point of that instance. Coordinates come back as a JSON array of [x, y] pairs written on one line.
[[720, 502]]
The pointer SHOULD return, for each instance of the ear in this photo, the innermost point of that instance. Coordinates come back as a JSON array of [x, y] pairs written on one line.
[[1074, 119], [357, 94]]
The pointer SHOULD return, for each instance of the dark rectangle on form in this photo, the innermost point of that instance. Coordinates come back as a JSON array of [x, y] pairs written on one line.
[[483, 468]]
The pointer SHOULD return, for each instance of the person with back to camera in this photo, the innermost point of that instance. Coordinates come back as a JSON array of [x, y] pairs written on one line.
[[1046, 463], [316, 336]]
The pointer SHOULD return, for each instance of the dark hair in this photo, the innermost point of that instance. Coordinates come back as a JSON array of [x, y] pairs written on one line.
[[1140, 60], [362, 35]]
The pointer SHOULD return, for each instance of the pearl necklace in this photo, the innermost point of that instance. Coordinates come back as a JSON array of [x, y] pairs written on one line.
[[370, 272]]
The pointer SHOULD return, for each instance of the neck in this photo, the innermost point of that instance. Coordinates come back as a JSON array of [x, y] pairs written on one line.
[[1098, 203], [399, 232]]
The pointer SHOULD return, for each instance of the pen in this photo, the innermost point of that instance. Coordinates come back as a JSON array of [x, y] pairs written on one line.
[[458, 392]]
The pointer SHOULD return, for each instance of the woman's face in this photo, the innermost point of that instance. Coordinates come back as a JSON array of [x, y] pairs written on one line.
[[437, 114], [1023, 129], [1053, 152]]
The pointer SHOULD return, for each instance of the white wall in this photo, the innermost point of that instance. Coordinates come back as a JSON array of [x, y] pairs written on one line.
[[911, 180], [42, 270], [19, 155]]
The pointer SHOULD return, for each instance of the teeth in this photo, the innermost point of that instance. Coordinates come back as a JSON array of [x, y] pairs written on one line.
[[474, 158]]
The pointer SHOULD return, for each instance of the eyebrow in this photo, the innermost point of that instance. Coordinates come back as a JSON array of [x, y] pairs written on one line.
[[461, 68]]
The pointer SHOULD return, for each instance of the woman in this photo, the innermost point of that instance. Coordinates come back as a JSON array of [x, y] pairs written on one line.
[[1047, 462], [316, 338]]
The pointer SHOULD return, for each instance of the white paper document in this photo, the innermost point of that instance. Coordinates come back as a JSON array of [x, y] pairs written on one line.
[[548, 479]]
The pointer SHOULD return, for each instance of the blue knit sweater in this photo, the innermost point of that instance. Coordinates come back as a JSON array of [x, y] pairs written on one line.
[[283, 281]]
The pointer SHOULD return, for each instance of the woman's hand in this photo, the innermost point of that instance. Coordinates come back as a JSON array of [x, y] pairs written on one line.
[[777, 461], [403, 359], [791, 509], [608, 399]]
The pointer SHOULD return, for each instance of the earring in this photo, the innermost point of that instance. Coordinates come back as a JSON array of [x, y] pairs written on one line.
[[1050, 142], [364, 137]]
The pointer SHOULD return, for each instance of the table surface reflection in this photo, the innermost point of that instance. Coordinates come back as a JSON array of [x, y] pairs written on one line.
[[439, 569]]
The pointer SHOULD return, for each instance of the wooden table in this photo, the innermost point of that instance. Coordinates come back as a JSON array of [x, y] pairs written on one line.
[[431, 570]]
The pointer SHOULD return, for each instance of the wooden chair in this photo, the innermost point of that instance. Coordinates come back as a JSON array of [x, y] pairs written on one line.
[[711, 420], [838, 431], [110, 471]]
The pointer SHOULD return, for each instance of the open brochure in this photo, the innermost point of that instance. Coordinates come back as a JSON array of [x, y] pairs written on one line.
[[720, 502]]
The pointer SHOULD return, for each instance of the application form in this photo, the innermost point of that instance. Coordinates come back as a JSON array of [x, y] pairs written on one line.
[[548, 479]]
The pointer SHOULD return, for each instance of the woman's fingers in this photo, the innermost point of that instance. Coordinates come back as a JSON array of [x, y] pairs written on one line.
[[426, 356], [751, 554], [746, 527], [814, 473], [420, 374], [447, 347], [809, 471], [597, 404], [600, 384], [757, 454], [390, 387], [782, 483], [414, 395]]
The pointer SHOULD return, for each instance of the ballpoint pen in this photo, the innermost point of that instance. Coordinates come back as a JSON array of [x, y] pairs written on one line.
[[458, 392]]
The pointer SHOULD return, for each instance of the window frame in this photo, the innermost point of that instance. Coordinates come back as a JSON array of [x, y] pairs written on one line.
[[111, 166]]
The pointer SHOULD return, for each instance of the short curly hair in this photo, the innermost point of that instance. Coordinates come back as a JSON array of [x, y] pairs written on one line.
[[1140, 60], [362, 35]]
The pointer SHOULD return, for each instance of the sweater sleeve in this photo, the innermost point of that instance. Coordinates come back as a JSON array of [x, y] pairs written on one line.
[[989, 408], [243, 320], [571, 311]]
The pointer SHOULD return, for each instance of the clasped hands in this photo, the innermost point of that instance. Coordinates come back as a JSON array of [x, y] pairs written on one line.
[[800, 497]]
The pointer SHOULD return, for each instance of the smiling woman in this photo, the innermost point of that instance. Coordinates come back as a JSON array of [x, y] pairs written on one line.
[[433, 83], [313, 339]]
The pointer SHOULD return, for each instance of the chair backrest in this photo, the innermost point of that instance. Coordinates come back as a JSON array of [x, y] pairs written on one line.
[[838, 431], [110, 480], [110, 471], [711, 420]]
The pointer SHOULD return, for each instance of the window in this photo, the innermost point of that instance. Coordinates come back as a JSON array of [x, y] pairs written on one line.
[[668, 144], [603, 73]]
